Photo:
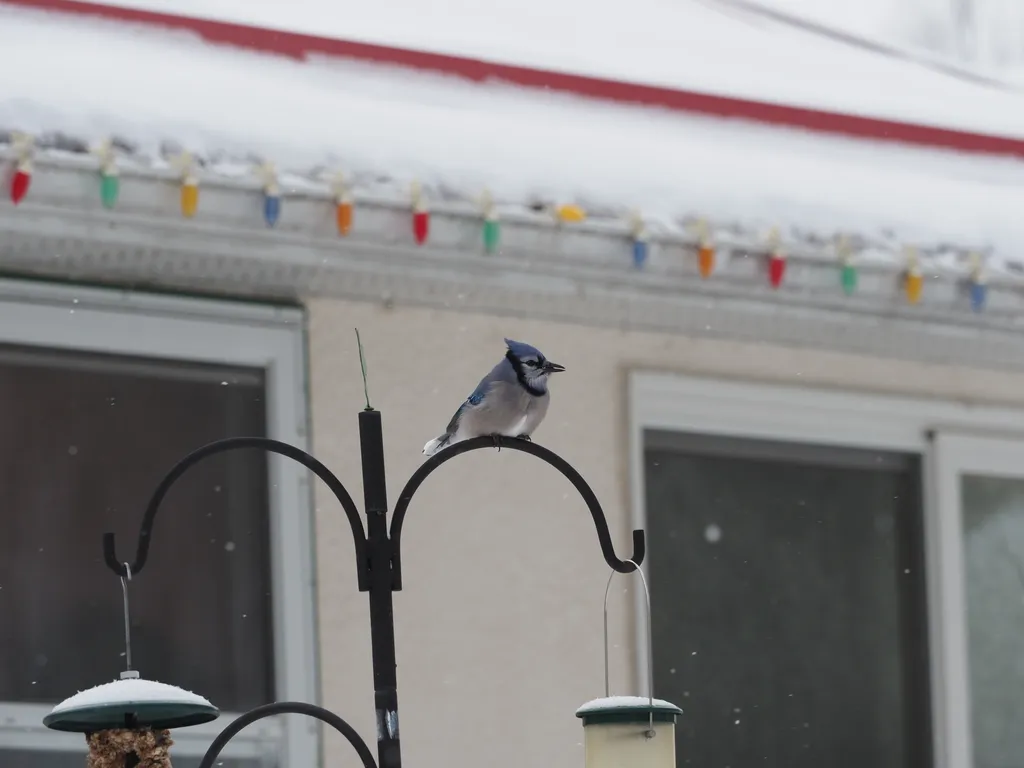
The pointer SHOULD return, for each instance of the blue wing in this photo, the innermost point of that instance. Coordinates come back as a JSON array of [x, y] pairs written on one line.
[[474, 399]]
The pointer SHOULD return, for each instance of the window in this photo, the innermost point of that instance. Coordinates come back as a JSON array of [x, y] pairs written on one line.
[[982, 510], [787, 601], [99, 398], [836, 579]]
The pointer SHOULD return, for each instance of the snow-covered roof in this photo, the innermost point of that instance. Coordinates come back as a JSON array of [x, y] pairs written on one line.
[[707, 45], [161, 92]]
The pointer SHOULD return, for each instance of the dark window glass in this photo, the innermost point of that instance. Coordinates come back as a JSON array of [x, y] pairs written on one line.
[[85, 441], [788, 602]]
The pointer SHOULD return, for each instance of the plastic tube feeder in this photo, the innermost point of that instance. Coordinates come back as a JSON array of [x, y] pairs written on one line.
[[633, 731]]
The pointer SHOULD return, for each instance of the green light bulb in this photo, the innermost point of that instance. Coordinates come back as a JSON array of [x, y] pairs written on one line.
[[492, 233], [110, 186], [849, 278]]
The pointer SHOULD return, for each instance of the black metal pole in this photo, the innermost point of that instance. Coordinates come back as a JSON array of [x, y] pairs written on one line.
[[378, 558], [381, 583]]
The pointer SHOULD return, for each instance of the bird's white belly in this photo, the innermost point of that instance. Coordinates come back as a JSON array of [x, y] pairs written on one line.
[[476, 427], [518, 428]]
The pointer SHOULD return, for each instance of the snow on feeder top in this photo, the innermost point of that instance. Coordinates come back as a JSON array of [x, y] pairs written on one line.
[[127, 722], [131, 703]]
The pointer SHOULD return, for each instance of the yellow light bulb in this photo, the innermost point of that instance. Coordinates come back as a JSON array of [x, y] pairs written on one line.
[[914, 284], [189, 196], [573, 213]]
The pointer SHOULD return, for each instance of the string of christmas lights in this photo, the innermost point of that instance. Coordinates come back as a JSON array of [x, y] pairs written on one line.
[[564, 213]]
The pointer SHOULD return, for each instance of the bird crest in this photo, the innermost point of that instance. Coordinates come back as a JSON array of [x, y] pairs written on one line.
[[522, 351]]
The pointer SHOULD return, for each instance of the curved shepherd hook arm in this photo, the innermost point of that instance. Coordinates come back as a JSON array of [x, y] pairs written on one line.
[[288, 708], [542, 453], [220, 446]]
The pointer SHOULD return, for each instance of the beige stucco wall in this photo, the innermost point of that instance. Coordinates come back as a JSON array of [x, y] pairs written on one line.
[[499, 625]]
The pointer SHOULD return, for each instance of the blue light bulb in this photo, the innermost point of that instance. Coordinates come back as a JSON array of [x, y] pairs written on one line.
[[271, 208], [639, 253], [979, 291]]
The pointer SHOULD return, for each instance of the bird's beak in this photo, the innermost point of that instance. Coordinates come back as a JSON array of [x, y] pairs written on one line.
[[550, 367]]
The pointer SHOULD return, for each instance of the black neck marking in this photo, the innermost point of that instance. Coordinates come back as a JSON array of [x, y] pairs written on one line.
[[517, 366]]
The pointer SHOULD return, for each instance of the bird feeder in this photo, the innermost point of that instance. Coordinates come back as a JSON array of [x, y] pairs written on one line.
[[629, 732], [127, 722]]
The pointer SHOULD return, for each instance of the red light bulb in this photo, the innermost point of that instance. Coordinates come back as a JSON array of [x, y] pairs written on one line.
[[20, 181], [776, 268], [420, 225]]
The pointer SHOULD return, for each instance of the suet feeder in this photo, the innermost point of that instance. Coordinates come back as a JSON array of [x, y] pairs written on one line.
[[127, 722], [633, 731]]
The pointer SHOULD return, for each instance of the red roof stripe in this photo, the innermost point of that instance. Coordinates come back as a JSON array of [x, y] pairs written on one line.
[[299, 46]]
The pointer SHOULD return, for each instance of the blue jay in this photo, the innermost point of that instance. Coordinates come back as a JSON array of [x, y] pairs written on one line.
[[510, 401]]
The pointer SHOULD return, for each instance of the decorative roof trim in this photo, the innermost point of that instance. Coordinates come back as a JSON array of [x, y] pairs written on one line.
[[579, 274], [298, 46]]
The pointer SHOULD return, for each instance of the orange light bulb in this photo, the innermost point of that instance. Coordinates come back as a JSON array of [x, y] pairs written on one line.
[[706, 259], [343, 214]]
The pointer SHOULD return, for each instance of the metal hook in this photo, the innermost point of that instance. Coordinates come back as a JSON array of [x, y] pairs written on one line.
[[129, 673], [544, 454], [650, 643], [220, 446]]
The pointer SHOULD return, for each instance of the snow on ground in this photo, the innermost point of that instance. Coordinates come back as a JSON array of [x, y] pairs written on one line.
[[690, 44], [92, 79]]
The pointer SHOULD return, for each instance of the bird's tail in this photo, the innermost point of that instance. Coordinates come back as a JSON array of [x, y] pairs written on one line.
[[435, 445]]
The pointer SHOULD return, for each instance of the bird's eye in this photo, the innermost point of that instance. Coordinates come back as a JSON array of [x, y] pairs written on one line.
[[532, 363]]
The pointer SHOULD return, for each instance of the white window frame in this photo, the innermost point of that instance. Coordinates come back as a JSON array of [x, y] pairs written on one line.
[[225, 333], [731, 408], [954, 455]]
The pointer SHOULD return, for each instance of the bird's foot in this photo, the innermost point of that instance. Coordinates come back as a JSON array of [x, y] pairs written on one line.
[[525, 437], [496, 438]]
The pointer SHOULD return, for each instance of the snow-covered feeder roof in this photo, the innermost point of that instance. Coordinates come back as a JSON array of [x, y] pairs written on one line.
[[627, 709], [130, 703]]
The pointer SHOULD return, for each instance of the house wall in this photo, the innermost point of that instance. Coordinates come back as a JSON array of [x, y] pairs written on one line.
[[499, 624]]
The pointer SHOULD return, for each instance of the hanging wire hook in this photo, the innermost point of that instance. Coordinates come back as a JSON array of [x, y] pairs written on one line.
[[129, 673], [650, 643]]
